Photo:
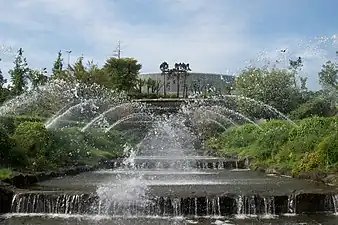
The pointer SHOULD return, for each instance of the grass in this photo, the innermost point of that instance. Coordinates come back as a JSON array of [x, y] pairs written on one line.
[[96, 155], [5, 173], [309, 147]]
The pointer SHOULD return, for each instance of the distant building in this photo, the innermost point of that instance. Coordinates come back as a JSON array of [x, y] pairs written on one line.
[[196, 82]]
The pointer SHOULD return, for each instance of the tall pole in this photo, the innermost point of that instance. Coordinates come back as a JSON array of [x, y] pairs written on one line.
[[68, 52], [117, 51]]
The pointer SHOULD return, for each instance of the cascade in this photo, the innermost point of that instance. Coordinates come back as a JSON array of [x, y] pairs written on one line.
[[335, 203], [291, 206]]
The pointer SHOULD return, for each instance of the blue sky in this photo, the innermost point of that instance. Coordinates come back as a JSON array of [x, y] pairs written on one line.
[[212, 35]]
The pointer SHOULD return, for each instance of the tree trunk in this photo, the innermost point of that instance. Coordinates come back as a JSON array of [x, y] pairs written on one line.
[[178, 85], [185, 88], [164, 85]]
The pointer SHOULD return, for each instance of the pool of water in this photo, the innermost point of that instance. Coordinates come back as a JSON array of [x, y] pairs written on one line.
[[122, 183], [196, 182]]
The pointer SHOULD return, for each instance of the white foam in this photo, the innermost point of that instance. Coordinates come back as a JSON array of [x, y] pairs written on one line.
[[155, 172]]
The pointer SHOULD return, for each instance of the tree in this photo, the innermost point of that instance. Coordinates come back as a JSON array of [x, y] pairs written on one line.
[[295, 66], [57, 71], [80, 72], [139, 84], [97, 75], [164, 67], [19, 74], [175, 74], [185, 85], [273, 87], [328, 76], [180, 70], [4, 92], [151, 85], [37, 77], [2, 79], [228, 87], [122, 72], [316, 106], [158, 85]]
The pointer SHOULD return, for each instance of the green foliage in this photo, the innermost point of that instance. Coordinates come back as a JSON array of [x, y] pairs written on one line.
[[328, 148], [122, 72], [5, 173], [57, 71], [328, 76], [237, 139], [33, 140], [309, 133], [5, 146], [274, 87], [314, 107], [37, 77], [19, 74], [311, 145], [11, 122], [25, 144], [2, 79], [274, 135]]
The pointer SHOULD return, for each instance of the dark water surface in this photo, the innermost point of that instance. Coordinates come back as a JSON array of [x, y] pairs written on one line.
[[82, 220], [184, 183]]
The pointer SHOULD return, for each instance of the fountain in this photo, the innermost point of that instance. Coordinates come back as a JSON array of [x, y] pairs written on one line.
[[131, 116], [162, 178], [127, 105], [51, 123]]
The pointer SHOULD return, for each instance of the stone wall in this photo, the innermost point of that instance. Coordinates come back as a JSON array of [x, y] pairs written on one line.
[[6, 196]]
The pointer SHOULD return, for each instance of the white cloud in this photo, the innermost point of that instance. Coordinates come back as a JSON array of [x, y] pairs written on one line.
[[212, 37]]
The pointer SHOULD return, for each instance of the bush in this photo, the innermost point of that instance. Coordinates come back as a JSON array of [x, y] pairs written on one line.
[[311, 145], [25, 144], [5, 146], [33, 140], [32, 137], [5, 173], [309, 133], [238, 139], [274, 135], [314, 107]]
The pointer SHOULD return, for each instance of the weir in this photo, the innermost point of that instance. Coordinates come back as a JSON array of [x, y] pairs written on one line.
[[198, 206], [193, 162]]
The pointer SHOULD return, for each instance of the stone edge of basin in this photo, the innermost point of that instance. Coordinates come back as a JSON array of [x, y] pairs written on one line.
[[6, 195], [9, 186], [22, 179], [330, 179]]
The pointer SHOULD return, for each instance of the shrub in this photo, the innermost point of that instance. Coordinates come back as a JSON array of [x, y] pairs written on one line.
[[311, 145], [32, 137], [328, 148], [28, 145], [309, 133], [5, 173], [5, 146], [314, 107], [33, 140], [274, 135], [236, 139]]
